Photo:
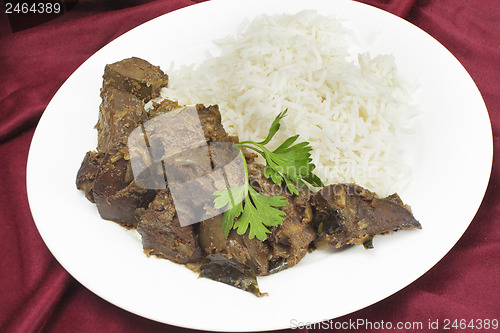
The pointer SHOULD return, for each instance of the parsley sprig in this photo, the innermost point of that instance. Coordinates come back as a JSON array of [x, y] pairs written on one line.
[[258, 212], [289, 163]]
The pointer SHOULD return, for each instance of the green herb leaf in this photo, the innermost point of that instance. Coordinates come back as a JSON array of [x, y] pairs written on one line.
[[258, 213], [275, 126], [290, 162], [275, 176], [233, 198]]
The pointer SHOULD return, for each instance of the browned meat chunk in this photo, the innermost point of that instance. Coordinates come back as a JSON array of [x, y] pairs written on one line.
[[184, 129], [164, 106], [252, 253], [109, 180], [220, 268], [116, 195], [163, 236], [120, 113], [136, 76], [88, 172], [349, 214], [126, 205], [106, 176], [289, 242], [210, 119]]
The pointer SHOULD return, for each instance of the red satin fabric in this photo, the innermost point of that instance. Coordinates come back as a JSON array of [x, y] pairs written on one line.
[[37, 294]]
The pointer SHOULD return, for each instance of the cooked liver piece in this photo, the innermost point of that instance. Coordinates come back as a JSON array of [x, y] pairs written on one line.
[[210, 119], [350, 214], [290, 241], [119, 114], [252, 253], [163, 236], [136, 76], [87, 174], [105, 175], [117, 196]]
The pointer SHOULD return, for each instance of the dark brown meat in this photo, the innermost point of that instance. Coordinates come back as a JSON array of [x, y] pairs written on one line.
[[210, 118], [106, 175], [251, 253], [163, 236], [136, 76], [116, 194], [290, 241], [349, 214], [87, 174], [117, 197], [182, 129], [119, 114], [220, 268], [162, 107]]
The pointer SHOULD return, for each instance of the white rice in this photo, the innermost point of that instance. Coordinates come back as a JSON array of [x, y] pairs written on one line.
[[354, 113]]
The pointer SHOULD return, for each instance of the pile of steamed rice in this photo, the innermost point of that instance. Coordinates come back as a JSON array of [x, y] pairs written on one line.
[[353, 113]]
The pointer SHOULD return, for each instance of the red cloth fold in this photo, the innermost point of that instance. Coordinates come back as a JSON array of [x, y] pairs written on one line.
[[37, 294]]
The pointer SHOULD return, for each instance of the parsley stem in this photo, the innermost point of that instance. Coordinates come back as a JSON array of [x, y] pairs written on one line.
[[242, 144], [245, 166], [245, 142]]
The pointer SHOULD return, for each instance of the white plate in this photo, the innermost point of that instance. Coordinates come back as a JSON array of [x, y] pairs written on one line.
[[455, 154]]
